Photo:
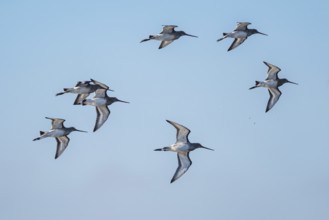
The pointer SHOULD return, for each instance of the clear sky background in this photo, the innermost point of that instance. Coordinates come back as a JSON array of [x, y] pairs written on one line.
[[266, 166]]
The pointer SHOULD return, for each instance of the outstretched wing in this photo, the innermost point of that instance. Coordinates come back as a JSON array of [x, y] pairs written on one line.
[[80, 98], [182, 132], [165, 43], [101, 85], [62, 143], [275, 94], [103, 113], [82, 84], [56, 122], [236, 43], [100, 93], [242, 26], [272, 73], [184, 162], [168, 29]]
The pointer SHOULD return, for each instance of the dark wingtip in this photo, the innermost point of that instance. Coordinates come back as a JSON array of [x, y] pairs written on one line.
[[170, 122], [96, 128]]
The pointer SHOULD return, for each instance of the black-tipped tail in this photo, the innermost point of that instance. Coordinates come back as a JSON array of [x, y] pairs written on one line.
[[60, 93], [66, 90], [147, 39], [163, 149], [224, 36], [256, 85]]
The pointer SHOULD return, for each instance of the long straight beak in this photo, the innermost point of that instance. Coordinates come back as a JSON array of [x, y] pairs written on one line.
[[261, 33], [81, 131], [191, 35], [293, 83], [159, 149], [122, 101], [207, 148]]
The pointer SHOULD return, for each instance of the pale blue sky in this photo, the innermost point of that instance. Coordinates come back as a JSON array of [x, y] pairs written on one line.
[[265, 166]]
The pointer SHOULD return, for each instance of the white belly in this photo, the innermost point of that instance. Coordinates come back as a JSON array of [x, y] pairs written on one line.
[[99, 101], [271, 83], [238, 34], [163, 37], [82, 90], [55, 133], [180, 147], [95, 102]]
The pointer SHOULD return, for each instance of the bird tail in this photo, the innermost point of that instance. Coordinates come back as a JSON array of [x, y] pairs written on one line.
[[256, 85], [147, 39], [66, 90], [38, 138], [224, 36]]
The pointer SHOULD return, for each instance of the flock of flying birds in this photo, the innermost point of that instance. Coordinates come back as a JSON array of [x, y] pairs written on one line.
[[183, 146], [83, 89]]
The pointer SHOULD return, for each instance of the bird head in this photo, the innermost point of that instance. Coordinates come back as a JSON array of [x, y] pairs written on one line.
[[114, 99], [198, 145], [283, 81], [74, 129], [182, 33], [254, 31]]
